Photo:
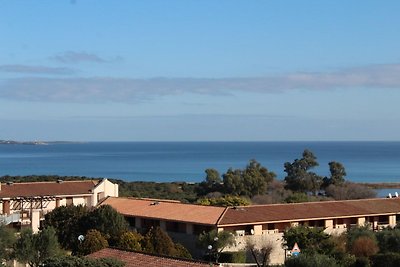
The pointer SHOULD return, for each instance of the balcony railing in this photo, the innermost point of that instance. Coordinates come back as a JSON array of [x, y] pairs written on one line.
[[11, 218]]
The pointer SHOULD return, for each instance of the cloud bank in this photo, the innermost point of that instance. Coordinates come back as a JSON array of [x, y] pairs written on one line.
[[26, 69], [105, 89]]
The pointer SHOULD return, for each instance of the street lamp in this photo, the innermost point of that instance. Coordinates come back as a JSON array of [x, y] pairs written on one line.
[[285, 248], [209, 253]]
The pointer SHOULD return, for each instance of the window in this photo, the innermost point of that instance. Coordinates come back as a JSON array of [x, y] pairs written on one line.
[[131, 221], [176, 227], [70, 201]]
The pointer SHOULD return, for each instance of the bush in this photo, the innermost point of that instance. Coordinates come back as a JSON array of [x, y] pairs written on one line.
[[386, 260], [389, 240], [361, 262], [233, 257], [130, 241], [354, 233], [364, 247], [349, 191], [94, 241], [314, 260]]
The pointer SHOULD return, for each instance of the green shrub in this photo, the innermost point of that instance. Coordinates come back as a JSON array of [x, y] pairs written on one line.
[[308, 260], [233, 257], [386, 260]]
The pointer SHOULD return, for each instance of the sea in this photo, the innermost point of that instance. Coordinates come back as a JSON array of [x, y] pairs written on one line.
[[187, 161]]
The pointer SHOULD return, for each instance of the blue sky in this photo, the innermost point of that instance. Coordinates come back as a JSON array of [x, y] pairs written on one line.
[[199, 70]]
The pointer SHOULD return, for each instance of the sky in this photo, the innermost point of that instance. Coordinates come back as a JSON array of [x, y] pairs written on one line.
[[83, 70]]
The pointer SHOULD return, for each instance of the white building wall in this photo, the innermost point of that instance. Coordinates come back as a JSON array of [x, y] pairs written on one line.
[[274, 240], [104, 189], [79, 201]]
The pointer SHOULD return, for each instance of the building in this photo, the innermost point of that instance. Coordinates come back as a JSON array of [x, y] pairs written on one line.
[[258, 223], [25, 204], [139, 259]]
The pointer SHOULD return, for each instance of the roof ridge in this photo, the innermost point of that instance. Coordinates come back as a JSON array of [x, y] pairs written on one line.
[[49, 182], [222, 215], [314, 202]]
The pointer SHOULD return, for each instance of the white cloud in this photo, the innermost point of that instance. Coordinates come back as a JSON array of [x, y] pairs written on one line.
[[104, 89]]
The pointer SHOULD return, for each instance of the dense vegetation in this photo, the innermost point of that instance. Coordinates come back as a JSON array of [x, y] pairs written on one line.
[[103, 227], [359, 246]]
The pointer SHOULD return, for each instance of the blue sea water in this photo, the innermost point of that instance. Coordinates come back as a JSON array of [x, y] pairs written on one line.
[[186, 161]]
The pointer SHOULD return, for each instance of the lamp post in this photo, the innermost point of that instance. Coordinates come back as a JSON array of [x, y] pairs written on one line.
[[209, 254], [216, 249], [213, 250], [285, 248]]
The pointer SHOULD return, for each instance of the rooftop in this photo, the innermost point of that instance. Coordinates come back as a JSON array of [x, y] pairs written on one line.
[[136, 259], [166, 210], [40, 189], [310, 210], [208, 215]]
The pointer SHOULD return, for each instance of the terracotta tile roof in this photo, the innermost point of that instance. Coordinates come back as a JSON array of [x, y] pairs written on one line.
[[34, 189], [304, 211], [166, 210], [135, 259]]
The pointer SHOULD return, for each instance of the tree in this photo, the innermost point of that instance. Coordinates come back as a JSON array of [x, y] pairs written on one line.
[[106, 220], [212, 182], [299, 177], [215, 242], [34, 249], [158, 242], [261, 254], [310, 239], [130, 241], [253, 180], [388, 240], [233, 182], [94, 241], [24, 247], [66, 220], [338, 173], [256, 178], [7, 240]]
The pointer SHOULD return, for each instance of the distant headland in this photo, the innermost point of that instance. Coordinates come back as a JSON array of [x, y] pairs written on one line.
[[13, 142]]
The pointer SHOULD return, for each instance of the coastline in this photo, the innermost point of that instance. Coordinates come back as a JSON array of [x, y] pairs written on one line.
[[383, 185]]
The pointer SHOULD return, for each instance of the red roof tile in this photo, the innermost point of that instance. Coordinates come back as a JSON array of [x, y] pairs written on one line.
[[37, 189], [135, 259], [310, 210], [166, 210]]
